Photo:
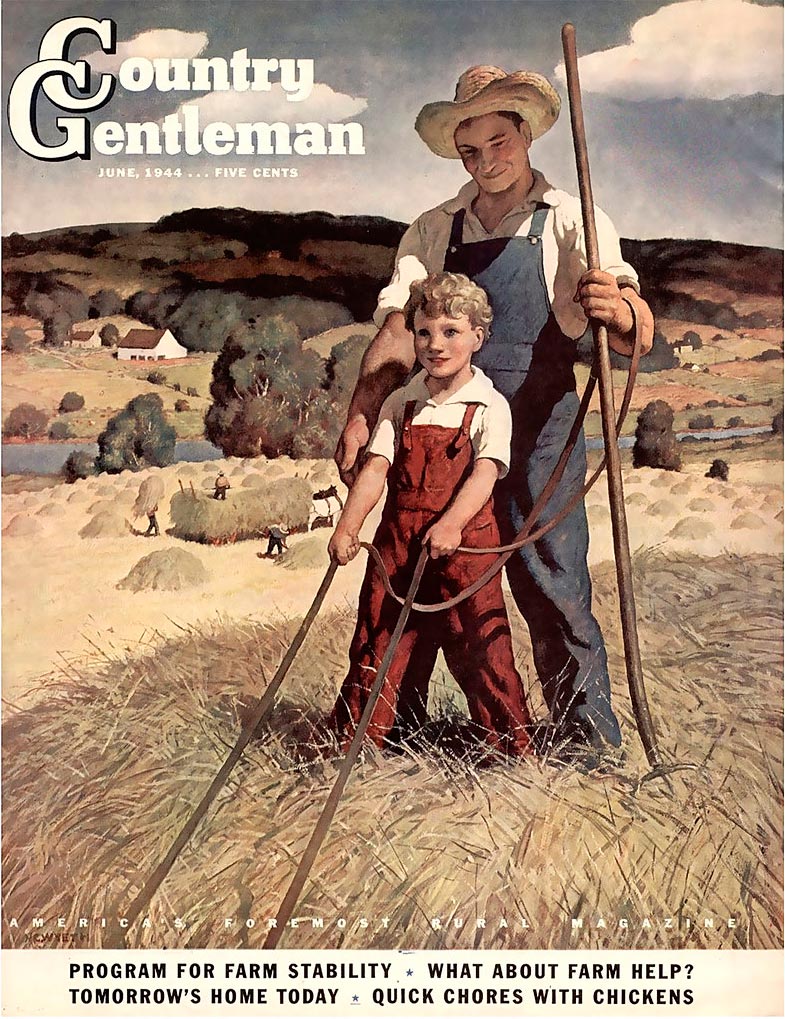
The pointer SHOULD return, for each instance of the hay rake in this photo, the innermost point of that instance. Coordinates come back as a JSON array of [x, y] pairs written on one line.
[[601, 372]]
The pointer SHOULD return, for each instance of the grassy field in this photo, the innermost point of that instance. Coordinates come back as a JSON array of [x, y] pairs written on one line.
[[42, 376], [131, 746]]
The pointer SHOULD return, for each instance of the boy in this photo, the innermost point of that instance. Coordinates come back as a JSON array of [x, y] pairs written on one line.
[[441, 443]]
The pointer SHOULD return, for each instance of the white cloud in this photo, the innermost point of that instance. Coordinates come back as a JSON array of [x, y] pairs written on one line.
[[160, 42], [700, 49], [322, 105]]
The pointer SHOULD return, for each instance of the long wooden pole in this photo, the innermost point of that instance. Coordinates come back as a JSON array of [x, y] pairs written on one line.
[[621, 542], [328, 811], [263, 708]]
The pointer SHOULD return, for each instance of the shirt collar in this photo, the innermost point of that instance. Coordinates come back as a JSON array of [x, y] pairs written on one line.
[[540, 191], [477, 390]]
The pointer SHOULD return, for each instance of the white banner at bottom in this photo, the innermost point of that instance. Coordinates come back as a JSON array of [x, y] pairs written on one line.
[[48, 983]]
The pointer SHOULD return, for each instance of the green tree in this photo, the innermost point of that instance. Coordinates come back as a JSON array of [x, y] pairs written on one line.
[[269, 395], [110, 335], [71, 402], [60, 430], [25, 422], [693, 339], [138, 437], [655, 441], [16, 340], [78, 465]]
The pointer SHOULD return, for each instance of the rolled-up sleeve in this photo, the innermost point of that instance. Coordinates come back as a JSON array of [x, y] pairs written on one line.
[[384, 438], [409, 267]]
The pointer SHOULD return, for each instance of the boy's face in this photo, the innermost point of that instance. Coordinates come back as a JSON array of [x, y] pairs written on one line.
[[443, 345]]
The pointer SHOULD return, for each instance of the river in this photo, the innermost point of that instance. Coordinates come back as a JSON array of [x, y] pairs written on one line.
[[49, 457]]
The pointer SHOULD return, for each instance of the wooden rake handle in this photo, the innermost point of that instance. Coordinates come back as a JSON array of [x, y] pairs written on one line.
[[621, 541], [328, 811]]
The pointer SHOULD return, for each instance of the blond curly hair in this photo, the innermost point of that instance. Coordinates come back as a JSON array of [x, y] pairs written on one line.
[[451, 294]]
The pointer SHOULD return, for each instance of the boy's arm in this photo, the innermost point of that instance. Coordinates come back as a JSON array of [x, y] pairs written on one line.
[[445, 535], [363, 496]]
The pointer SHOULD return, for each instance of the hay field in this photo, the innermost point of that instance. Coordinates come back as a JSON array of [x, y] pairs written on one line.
[[128, 748]]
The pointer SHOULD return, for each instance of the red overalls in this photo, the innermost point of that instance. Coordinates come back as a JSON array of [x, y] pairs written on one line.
[[430, 465]]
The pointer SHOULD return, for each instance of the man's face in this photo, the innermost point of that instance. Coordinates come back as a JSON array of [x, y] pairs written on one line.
[[444, 345], [494, 151]]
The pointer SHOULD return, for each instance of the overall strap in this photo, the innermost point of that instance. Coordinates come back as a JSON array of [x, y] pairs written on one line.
[[538, 222], [456, 232], [406, 424], [463, 436]]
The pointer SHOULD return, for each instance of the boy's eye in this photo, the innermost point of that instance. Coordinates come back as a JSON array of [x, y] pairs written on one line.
[[450, 332], [423, 333]]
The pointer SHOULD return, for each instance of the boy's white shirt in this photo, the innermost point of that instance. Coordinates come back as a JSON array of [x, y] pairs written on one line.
[[491, 427]]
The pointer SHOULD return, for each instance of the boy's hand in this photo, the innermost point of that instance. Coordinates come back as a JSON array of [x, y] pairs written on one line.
[[442, 538], [343, 547]]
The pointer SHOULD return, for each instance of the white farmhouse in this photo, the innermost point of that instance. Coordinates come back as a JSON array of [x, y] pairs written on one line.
[[150, 345], [85, 340]]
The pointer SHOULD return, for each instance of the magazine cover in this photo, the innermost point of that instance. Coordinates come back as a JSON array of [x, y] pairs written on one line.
[[305, 303]]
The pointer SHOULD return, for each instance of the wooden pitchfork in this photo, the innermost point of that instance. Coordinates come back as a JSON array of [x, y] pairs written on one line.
[[621, 541]]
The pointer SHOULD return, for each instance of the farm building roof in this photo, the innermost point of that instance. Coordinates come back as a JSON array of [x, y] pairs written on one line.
[[81, 336], [142, 339]]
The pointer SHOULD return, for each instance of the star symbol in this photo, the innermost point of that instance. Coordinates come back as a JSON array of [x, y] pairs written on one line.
[[409, 972], [355, 998]]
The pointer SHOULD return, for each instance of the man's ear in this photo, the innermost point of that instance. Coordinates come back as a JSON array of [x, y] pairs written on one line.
[[525, 129]]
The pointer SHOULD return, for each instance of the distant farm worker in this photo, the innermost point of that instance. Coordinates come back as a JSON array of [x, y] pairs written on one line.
[[276, 541], [152, 526], [522, 240], [151, 491], [440, 444], [221, 486]]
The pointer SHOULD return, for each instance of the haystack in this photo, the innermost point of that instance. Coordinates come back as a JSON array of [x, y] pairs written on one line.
[[692, 529], [308, 554], [169, 569], [106, 524], [253, 480], [663, 508], [744, 521], [51, 509], [245, 513], [151, 493], [701, 505], [22, 526]]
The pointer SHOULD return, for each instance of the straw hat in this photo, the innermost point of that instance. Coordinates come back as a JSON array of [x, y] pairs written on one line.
[[487, 89]]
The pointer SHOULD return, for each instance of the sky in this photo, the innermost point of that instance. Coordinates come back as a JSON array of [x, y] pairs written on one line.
[[682, 102]]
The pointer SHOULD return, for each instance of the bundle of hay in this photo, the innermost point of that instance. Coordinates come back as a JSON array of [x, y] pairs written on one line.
[[106, 524], [308, 554], [51, 509], [22, 526], [151, 492], [245, 513], [170, 569]]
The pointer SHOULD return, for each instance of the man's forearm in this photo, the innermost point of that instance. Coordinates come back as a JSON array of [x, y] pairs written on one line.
[[385, 365]]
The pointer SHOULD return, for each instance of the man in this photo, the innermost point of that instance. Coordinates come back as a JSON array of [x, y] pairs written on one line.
[[221, 486], [523, 242]]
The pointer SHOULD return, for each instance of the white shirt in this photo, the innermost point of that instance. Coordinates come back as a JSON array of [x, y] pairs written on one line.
[[491, 427], [423, 247]]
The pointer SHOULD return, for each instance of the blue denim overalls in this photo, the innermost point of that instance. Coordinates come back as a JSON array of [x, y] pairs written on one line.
[[530, 361]]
